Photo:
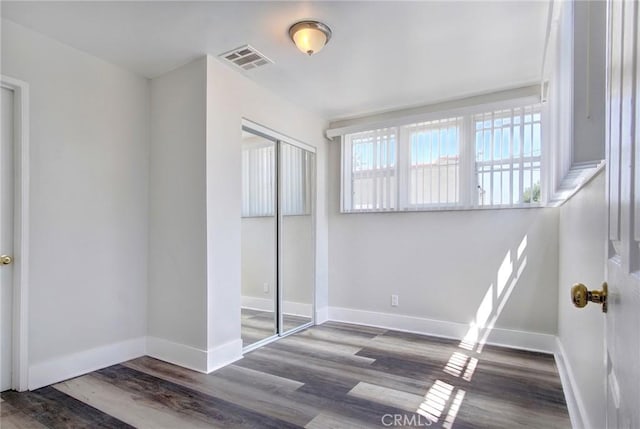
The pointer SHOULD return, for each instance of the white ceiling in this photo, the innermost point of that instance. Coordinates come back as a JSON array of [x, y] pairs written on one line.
[[383, 55]]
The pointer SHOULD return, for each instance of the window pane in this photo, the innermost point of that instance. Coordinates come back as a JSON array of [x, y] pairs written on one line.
[[434, 156], [536, 139], [372, 171], [512, 136]]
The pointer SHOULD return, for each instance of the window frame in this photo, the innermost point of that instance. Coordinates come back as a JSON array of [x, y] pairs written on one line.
[[346, 198], [468, 198], [404, 139], [525, 110]]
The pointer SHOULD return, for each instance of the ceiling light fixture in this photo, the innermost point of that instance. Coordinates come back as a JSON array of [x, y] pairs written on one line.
[[310, 36]]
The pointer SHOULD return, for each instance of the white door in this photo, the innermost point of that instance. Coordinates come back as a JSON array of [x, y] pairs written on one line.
[[6, 237], [623, 246]]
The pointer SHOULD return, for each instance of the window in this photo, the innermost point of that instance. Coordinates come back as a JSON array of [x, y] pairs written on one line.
[[508, 156], [371, 160], [433, 163], [481, 159]]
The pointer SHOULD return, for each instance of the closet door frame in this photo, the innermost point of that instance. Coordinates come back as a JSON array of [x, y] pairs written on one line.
[[278, 139]]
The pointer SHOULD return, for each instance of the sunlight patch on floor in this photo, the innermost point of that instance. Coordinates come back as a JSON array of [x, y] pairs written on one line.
[[435, 401], [453, 409], [456, 364]]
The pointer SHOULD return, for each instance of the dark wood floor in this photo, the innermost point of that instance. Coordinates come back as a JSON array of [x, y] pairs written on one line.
[[328, 376]]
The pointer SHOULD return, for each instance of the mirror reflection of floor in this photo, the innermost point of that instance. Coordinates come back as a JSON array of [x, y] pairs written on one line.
[[258, 325]]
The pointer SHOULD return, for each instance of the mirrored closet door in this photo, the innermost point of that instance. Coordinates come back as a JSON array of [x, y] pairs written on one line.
[[258, 243], [278, 250], [296, 259]]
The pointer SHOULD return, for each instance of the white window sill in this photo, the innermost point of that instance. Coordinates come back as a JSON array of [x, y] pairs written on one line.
[[577, 178], [451, 209]]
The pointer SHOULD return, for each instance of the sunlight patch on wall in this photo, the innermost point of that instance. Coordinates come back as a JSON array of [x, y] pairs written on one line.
[[504, 272], [522, 247], [495, 299], [501, 305]]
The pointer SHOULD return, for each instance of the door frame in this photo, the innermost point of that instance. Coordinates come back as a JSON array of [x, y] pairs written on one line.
[[20, 349]]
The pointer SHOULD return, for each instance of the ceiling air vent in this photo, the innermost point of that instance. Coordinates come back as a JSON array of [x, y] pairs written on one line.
[[246, 57]]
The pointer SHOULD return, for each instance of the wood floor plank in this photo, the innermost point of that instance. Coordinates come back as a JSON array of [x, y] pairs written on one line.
[[392, 397], [12, 418], [481, 412], [208, 409], [128, 407], [312, 370], [338, 336], [56, 410], [328, 420], [256, 378], [263, 393], [232, 373], [314, 343]]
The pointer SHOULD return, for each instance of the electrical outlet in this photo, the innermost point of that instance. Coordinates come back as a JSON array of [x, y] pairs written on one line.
[[265, 288], [394, 300]]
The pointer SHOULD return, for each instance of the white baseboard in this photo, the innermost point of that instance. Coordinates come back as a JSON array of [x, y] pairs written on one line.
[[532, 341], [178, 354], [322, 315], [76, 364], [575, 404], [266, 304], [224, 354]]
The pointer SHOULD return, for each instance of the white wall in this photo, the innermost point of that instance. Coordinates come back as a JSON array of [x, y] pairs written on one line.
[[89, 143], [581, 331], [441, 264], [231, 97], [177, 309]]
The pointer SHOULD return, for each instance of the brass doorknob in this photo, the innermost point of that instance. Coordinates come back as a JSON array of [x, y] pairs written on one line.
[[580, 295], [5, 259]]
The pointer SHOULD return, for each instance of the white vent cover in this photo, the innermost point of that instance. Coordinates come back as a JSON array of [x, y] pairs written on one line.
[[246, 57]]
